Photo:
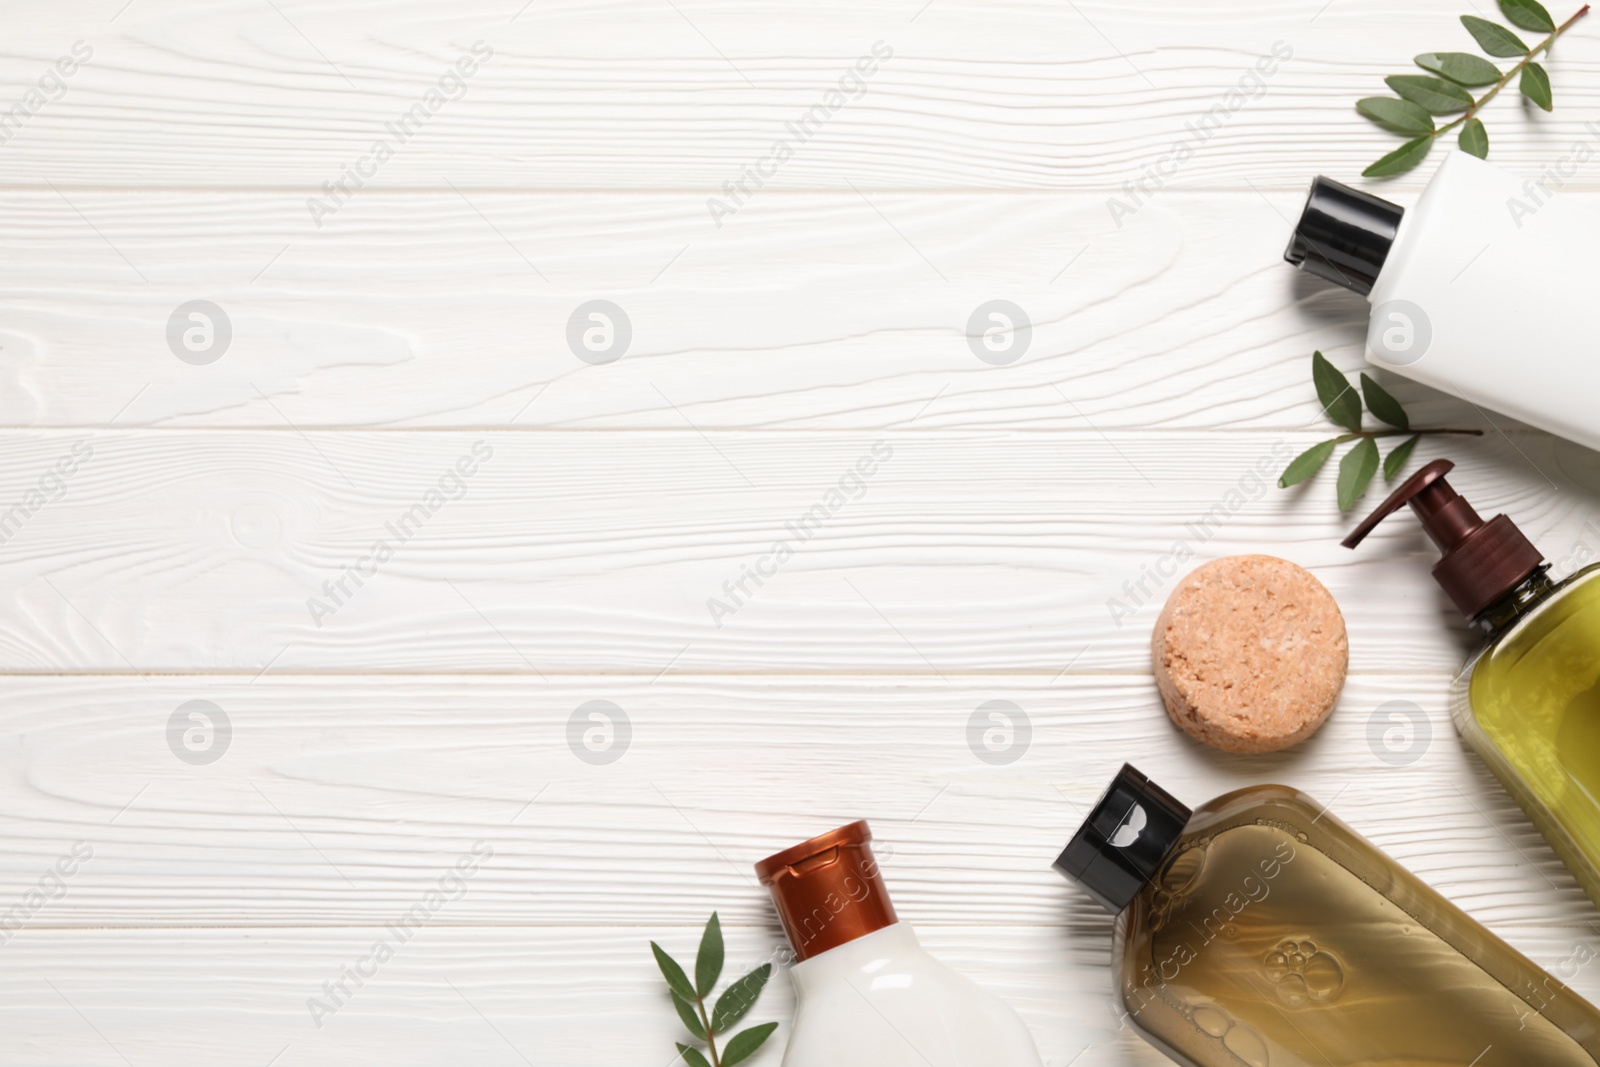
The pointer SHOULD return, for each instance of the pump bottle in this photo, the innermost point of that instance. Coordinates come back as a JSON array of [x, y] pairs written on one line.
[[1485, 289], [1259, 930], [867, 994], [1528, 701]]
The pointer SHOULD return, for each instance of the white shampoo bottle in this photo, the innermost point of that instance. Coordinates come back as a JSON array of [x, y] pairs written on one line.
[[866, 993], [1483, 290]]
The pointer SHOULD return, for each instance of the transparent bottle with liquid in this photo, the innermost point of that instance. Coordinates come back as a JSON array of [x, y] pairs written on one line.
[[866, 992], [1528, 701], [1260, 931]]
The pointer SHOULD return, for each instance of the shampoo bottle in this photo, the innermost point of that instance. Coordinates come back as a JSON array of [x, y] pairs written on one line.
[[867, 994], [1259, 930], [1484, 289], [1528, 701]]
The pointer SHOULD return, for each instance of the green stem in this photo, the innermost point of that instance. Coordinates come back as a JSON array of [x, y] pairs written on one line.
[[711, 1035], [1400, 433], [1542, 46]]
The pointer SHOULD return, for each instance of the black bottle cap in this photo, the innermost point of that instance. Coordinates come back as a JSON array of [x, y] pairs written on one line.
[[1344, 235], [1125, 840]]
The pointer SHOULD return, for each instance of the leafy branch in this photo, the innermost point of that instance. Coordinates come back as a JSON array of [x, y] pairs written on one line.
[[689, 998], [1444, 90], [1342, 404]]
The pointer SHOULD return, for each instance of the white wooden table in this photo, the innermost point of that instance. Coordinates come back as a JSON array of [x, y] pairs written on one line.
[[381, 336]]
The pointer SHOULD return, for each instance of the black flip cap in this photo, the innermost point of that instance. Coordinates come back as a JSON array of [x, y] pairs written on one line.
[[1344, 235], [1125, 840]]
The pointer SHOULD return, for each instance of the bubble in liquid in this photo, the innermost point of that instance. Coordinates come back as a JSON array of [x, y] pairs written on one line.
[[1246, 1044], [1302, 973], [1213, 1021], [1323, 975]]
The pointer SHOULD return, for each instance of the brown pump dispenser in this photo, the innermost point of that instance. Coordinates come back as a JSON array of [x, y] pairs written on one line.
[[1482, 561]]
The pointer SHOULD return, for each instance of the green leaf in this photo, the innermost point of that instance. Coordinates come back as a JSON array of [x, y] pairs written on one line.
[[1356, 471], [1535, 85], [1474, 139], [1395, 461], [1529, 14], [692, 1056], [739, 998], [745, 1043], [708, 961], [1494, 38], [1463, 68], [1392, 113], [1401, 159], [1339, 401], [1434, 95], [672, 972], [690, 1017], [1306, 464], [1383, 405]]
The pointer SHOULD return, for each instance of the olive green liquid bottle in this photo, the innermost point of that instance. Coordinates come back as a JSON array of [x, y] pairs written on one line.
[[1529, 705], [1528, 701], [1260, 931]]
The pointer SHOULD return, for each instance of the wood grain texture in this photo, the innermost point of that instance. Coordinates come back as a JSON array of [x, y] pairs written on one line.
[[952, 554], [560, 998], [563, 998], [807, 312], [341, 801], [637, 95], [446, 701]]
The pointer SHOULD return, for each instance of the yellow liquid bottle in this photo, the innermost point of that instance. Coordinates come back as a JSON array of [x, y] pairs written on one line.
[[1529, 705], [1528, 701], [1260, 931]]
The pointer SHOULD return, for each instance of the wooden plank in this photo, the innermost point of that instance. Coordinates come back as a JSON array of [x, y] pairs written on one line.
[[815, 312], [913, 553], [638, 95], [341, 800], [562, 998]]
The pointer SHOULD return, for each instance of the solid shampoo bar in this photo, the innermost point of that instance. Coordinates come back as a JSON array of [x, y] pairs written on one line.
[[1250, 654]]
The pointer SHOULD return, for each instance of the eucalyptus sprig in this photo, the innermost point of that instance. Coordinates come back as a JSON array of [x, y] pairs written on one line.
[[1444, 89], [709, 1024], [1342, 404]]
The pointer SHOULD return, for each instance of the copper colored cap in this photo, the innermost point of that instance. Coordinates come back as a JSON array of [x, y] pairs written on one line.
[[1482, 561], [828, 890]]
